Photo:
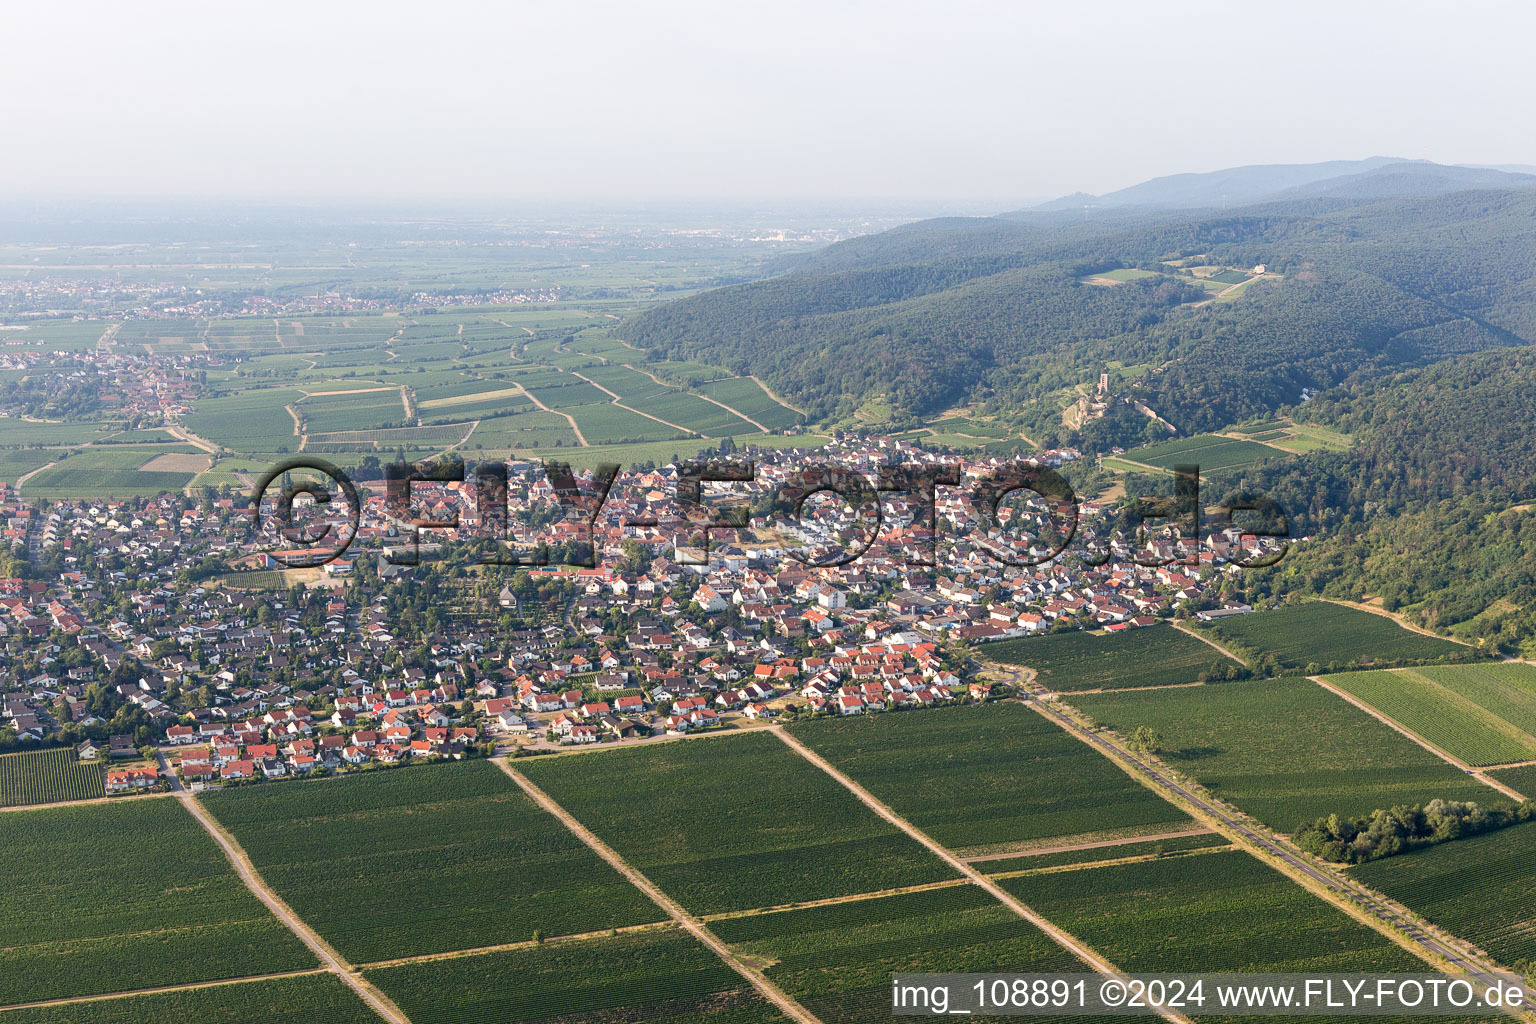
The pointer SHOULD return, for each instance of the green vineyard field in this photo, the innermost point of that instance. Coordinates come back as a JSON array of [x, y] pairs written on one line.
[[661, 976], [1286, 750], [1482, 888], [734, 823], [466, 860], [989, 777], [1444, 717], [96, 895], [1151, 656], [837, 960], [47, 776]]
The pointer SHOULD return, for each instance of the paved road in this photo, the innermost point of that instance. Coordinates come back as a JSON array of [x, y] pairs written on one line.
[[1348, 890]]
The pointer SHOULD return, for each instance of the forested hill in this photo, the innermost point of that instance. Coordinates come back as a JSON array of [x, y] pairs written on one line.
[[1430, 510], [1003, 312]]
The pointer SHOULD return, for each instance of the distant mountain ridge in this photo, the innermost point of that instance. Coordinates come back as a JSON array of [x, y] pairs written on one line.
[[1376, 177], [1234, 186]]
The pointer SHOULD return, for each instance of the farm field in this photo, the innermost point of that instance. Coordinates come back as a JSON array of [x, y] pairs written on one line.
[[316, 997], [1119, 276], [990, 778], [1222, 911], [1441, 705], [628, 455], [15, 431], [68, 334], [692, 413], [47, 776], [734, 823], [1150, 656], [1482, 888], [126, 885], [1331, 636], [247, 421], [1294, 437], [523, 430], [837, 960], [1504, 688], [466, 860], [663, 975], [1286, 750], [1210, 452], [110, 472], [366, 410]]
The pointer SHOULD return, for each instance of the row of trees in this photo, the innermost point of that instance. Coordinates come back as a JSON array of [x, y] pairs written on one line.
[[1386, 832]]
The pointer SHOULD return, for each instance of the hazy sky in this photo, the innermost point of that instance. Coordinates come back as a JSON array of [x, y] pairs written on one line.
[[973, 100]]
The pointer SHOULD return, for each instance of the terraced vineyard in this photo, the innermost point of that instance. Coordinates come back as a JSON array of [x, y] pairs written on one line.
[[1441, 713], [1215, 912], [1482, 888], [1332, 637], [313, 997], [460, 856], [1286, 750], [734, 823], [837, 960], [1150, 656], [990, 778], [47, 776], [95, 895], [662, 975]]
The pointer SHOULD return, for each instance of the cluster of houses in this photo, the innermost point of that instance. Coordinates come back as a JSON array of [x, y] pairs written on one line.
[[675, 641]]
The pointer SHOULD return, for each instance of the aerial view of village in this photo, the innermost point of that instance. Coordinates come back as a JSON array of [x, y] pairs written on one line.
[[595, 569]]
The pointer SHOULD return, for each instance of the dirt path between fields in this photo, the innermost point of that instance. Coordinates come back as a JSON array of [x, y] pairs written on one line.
[[1022, 855], [181, 433], [759, 981], [253, 881], [1061, 937], [457, 954], [1125, 689], [1208, 641]]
